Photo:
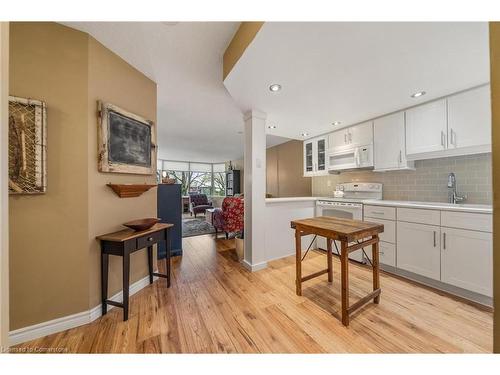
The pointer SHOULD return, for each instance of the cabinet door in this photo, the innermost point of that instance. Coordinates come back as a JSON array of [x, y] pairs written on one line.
[[338, 140], [308, 158], [426, 128], [467, 260], [418, 249], [469, 118], [321, 164], [389, 141], [361, 134]]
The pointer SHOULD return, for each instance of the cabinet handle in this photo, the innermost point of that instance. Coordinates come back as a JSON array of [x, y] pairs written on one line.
[[377, 213], [452, 137], [444, 241], [442, 139], [350, 137], [345, 137], [400, 156], [434, 238]]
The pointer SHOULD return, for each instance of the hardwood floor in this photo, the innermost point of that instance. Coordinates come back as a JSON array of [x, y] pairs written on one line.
[[214, 305]]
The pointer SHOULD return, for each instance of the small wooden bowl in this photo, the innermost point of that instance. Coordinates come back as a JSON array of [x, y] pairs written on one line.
[[142, 224]]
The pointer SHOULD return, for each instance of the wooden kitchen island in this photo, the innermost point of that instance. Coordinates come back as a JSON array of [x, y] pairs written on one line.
[[346, 231]]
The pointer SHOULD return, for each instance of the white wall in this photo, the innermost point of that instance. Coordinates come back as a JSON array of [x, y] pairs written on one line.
[[279, 236], [4, 198]]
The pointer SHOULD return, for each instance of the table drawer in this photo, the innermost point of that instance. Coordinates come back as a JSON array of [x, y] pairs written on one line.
[[467, 220], [150, 239], [420, 216], [380, 212], [389, 233]]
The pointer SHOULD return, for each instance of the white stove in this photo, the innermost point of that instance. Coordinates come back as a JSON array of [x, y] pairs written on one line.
[[350, 206]]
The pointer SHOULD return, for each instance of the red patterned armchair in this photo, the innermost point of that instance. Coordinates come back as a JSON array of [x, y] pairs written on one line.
[[229, 218]]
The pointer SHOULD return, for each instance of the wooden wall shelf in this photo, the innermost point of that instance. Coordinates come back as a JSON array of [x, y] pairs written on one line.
[[130, 190]]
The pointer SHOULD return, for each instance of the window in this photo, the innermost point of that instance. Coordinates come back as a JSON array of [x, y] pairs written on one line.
[[204, 178]]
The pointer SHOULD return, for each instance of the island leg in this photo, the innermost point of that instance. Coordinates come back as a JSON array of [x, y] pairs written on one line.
[[329, 259], [376, 270], [344, 262], [298, 262]]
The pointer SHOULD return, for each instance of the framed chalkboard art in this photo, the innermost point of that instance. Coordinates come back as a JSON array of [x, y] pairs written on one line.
[[126, 141]]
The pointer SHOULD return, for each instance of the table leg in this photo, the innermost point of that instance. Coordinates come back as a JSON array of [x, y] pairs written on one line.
[[298, 263], [126, 282], [104, 281], [329, 259], [344, 262], [376, 270], [150, 263], [168, 244]]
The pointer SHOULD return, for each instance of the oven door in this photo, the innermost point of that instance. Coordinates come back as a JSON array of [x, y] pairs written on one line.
[[343, 210]]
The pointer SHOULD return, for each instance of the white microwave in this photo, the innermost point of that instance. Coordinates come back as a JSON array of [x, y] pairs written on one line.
[[353, 158]]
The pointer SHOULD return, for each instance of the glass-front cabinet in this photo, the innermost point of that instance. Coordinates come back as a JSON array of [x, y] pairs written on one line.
[[315, 160]]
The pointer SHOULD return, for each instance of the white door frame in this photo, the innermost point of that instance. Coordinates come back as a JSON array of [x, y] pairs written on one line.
[[4, 194]]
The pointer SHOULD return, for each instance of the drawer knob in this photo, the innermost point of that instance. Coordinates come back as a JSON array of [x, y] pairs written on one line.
[[150, 239]]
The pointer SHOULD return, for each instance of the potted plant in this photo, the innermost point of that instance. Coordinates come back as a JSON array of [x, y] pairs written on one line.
[[240, 245]]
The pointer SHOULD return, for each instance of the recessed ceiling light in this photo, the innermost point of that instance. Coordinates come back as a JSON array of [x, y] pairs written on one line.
[[275, 87], [304, 134], [335, 123], [271, 126], [418, 94]]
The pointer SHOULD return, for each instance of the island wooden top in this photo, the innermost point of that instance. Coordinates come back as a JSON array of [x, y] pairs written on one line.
[[128, 234], [337, 228]]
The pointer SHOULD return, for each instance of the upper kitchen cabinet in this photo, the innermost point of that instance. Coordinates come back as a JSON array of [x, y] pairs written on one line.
[[361, 135], [389, 143], [457, 125], [426, 128], [469, 120], [354, 136], [315, 160]]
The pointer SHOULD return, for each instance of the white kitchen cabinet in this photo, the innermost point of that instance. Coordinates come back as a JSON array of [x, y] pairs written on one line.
[[315, 159], [469, 118], [360, 135], [354, 136], [339, 140], [418, 249], [467, 260], [389, 143], [426, 128], [387, 253]]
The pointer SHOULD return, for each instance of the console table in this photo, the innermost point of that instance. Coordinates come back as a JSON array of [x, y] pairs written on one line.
[[362, 233], [123, 243]]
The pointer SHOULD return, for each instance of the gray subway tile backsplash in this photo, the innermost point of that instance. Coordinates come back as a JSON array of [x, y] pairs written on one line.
[[426, 183]]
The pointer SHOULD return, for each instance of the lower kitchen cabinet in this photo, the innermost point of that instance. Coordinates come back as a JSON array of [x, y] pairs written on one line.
[[387, 253], [418, 249], [466, 260]]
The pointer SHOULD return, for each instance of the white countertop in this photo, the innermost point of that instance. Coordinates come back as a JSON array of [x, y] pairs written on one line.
[[475, 208], [291, 199]]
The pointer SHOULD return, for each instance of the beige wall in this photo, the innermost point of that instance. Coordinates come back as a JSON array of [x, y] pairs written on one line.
[[55, 259], [49, 232], [241, 40], [284, 171], [495, 107], [4, 200], [113, 80], [428, 182]]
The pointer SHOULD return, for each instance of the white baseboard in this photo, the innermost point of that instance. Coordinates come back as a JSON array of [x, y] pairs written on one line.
[[33, 332], [254, 267]]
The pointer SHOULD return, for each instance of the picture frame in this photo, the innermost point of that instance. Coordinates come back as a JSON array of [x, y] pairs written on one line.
[[126, 141], [27, 146]]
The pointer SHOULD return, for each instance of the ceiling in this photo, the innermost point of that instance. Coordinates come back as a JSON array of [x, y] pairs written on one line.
[[351, 72], [197, 118]]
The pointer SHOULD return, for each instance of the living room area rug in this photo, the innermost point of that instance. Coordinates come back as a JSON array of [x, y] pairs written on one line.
[[196, 227]]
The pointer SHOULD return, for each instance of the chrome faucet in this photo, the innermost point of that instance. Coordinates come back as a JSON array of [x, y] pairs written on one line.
[[453, 196]]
